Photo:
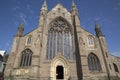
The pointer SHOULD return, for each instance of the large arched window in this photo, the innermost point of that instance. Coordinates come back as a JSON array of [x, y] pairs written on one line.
[[26, 57], [59, 40], [93, 62]]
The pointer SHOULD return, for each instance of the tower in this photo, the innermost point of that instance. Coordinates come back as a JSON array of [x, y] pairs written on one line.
[[20, 30], [104, 48], [98, 30]]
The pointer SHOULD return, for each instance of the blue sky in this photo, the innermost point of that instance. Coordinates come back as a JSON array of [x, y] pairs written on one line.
[[105, 12]]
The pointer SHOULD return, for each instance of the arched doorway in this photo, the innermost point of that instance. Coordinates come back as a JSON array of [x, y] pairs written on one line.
[[59, 68], [59, 72]]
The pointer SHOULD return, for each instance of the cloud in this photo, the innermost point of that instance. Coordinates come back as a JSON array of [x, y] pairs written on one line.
[[16, 8], [97, 18], [30, 9], [7, 44], [23, 17], [118, 4], [16, 23], [115, 8]]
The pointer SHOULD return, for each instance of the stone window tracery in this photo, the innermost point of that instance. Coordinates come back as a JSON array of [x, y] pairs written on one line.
[[26, 58], [93, 62], [59, 40]]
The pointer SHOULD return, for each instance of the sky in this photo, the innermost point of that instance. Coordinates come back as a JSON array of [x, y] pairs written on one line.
[[105, 12]]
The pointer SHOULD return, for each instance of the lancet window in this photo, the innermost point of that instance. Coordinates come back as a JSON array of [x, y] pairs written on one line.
[[90, 41], [29, 40], [59, 40]]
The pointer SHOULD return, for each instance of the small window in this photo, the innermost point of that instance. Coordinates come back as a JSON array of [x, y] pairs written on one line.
[[90, 41], [29, 40], [115, 67]]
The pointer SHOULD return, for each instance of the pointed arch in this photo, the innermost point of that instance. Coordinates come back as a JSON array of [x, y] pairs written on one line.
[[91, 41], [61, 19], [29, 40], [59, 60], [93, 62], [26, 57], [59, 39]]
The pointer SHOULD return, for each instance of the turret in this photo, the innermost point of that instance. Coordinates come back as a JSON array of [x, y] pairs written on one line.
[[74, 8], [103, 47], [74, 14], [20, 30], [98, 30], [43, 14], [44, 8]]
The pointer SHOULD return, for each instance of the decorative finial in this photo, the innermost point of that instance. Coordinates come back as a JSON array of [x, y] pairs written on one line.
[[44, 6], [96, 24], [44, 1], [73, 2], [22, 24]]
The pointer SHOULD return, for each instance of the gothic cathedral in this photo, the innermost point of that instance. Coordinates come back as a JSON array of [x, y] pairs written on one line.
[[60, 49]]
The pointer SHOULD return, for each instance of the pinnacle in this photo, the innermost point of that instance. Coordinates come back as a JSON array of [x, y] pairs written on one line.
[[22, 25]]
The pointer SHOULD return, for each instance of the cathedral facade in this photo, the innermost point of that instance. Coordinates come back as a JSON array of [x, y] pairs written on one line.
[[60, 49]]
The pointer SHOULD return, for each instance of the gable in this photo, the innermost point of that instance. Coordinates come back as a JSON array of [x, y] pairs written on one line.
[[59, 11]]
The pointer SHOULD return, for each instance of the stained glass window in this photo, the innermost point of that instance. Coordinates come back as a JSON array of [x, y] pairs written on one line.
[[93, 62], [60, 41], [26, 58]]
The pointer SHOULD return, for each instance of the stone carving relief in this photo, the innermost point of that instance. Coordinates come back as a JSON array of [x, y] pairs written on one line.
[[21, 71]]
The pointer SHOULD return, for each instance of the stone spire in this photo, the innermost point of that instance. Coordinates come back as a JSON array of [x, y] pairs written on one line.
[[98, 30], [74, 14], [20, 30], [73, 2], [44, 6], [74, 8], [43, 14]]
